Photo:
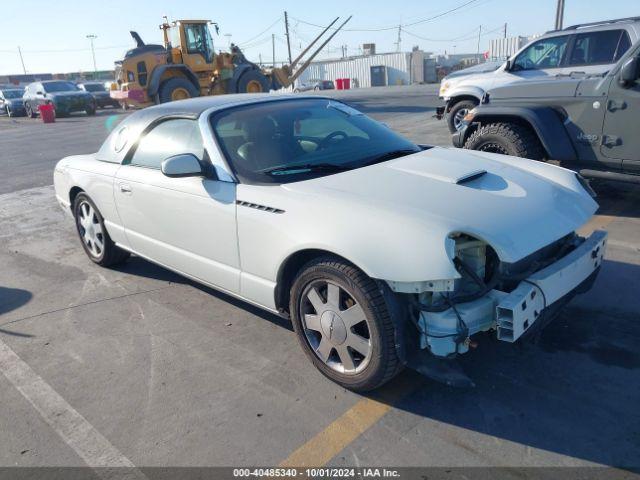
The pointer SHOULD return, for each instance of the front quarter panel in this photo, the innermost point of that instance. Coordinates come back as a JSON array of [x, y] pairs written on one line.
[[396, 247]]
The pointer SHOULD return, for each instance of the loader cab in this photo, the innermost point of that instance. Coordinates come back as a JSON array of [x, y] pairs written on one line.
[[195, 43]]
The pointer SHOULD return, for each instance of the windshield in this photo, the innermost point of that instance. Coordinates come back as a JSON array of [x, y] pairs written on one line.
[[60, 87], [286, 141], [12, 93], [95, 87]]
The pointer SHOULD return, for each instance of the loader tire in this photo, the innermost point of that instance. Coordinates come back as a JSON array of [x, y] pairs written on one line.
[[176, 88], [253, 81]]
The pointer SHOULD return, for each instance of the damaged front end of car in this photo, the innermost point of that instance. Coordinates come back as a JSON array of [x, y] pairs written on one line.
[[489, 295]]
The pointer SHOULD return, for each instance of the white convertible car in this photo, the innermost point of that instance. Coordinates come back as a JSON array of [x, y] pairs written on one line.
[[383, 253]]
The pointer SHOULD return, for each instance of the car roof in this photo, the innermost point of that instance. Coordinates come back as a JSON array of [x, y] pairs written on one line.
[[194, 107]]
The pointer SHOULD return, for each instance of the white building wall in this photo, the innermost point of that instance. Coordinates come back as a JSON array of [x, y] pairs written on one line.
[[359, 68]]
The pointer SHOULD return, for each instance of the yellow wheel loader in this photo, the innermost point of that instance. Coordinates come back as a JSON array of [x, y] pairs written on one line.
[[187, 66]]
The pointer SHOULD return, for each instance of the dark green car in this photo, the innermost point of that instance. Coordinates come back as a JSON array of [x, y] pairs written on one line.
[[65, 96]]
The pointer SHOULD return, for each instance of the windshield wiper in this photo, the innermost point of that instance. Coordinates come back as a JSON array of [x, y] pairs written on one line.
[[389, 156], [305, 168]]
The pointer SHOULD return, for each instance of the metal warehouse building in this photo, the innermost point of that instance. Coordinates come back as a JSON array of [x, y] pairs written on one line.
[[402, 68]]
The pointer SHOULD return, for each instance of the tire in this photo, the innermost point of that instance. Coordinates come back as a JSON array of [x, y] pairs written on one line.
[[296, 91], [107, 255], [253, 81], [457, 111], [176, 88], [374, 361], [91, 111], [29, 110], [507, 139], [8, 111]]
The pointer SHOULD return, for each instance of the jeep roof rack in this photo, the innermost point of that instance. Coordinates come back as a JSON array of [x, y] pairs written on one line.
[[603, 22]]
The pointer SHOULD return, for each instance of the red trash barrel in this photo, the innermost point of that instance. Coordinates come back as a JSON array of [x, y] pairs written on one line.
[[339, 84], [346, 83], [47, 113]]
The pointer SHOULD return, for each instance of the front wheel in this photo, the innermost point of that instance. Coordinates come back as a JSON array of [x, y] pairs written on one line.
[[253, 81], [343, 325], [94, 236], [457, 112], [176, 88], [506, 139]]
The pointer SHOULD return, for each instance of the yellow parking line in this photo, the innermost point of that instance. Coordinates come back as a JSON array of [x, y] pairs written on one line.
[[349, 426]]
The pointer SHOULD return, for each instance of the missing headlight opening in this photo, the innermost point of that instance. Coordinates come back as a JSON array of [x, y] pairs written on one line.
[[488, 295]]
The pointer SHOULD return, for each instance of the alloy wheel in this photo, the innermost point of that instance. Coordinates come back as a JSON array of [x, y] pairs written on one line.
[[90, 229], [458, 117], [336, 327]]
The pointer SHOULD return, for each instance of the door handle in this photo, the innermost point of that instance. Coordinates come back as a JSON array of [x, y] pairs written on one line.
[[125, 187], [613, 105]]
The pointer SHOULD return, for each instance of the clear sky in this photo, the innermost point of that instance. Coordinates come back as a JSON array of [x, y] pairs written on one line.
[[52, 34]]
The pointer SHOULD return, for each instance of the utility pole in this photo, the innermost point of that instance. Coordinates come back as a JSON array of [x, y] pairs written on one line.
[[260, 58], [505, 29], [273, 48], [479, 35], [93, 53], [399, 38], [559, 14], [22, 61], [286, 27]]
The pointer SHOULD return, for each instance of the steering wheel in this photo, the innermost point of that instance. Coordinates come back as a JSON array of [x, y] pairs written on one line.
[[527, 64], [325, 141]]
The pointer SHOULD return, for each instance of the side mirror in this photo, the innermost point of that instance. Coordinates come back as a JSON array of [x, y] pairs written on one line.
[[185, 165], [629, 71], [507, 66], [39, 93]]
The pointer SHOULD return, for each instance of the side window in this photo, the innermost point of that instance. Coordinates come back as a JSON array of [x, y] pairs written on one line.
[[142, 73], [599, 48], [171, 137], [545, 53]]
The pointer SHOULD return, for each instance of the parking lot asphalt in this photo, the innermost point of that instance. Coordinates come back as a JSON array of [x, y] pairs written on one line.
[[138, 366]]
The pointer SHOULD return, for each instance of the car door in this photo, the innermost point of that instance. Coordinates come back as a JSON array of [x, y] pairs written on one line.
[[541, 58], [187, 224], [620, 139]]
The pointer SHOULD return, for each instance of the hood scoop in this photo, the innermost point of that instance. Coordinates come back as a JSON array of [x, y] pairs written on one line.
[[471, 177], [447, 169]]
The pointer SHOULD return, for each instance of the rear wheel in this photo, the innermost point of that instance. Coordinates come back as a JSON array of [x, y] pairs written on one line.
[[176, 88], [29, 110], [91, 111], [506, 139], [94, 236], [343, 324], [253, 81], [457, 112]]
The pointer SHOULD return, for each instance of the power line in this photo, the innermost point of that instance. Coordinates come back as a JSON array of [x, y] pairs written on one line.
[[382, 29], [262, 32]]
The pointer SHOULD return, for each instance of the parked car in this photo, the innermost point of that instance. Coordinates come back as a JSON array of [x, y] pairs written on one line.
[[314, 85], [588, 48], [382, 253], [588, 123], [11, 101], [100, 94], [65, 96]]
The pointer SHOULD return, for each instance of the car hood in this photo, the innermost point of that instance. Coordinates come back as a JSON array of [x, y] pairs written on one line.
[[516, 205], [14, 101]]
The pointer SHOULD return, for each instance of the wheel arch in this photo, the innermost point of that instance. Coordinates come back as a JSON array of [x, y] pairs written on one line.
[[461, 97], [159, 72], [544, 122], [73, 193], [290, 267]]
